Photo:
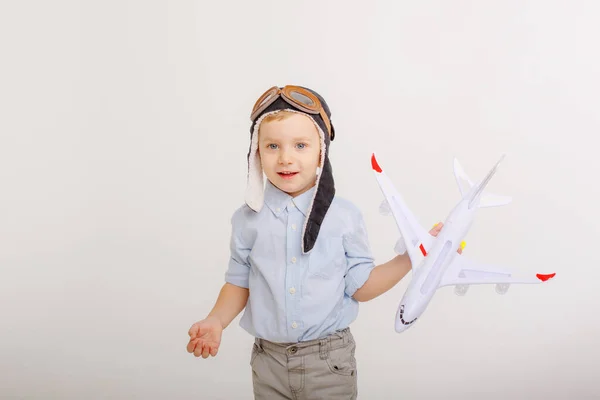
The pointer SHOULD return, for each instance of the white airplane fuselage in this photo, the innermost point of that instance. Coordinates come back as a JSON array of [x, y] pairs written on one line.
[[427, 275]]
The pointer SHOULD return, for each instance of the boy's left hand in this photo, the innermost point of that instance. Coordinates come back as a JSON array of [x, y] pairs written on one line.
[[436, 230]]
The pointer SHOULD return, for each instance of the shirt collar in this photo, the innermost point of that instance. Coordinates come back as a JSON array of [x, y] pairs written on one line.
[[303, 201], [277, 200]]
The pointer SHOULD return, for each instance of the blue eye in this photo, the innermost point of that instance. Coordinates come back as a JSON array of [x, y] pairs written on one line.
[[301, 145], [272, 146]]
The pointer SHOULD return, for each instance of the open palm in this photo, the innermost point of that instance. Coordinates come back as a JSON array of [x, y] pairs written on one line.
[[205, 337]]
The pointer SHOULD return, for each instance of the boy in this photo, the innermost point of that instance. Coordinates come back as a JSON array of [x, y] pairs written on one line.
[[300, 265]]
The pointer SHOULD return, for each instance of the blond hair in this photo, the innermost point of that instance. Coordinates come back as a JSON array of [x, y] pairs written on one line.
[[278, 116]]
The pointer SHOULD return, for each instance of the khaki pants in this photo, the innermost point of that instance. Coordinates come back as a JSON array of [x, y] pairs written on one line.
[[318, 369]]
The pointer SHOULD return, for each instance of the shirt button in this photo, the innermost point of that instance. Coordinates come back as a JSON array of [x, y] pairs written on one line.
[[292, 290], [294, 227], [294, 325], [279, 209], [294, 260]]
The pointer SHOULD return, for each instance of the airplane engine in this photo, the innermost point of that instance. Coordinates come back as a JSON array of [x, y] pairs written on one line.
[[502, 288], [461, 290]]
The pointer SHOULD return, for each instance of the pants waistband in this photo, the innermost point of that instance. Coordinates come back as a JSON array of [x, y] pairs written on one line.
[[331, 342]]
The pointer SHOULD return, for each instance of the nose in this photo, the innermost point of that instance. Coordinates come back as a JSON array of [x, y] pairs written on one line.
[[284, 157]]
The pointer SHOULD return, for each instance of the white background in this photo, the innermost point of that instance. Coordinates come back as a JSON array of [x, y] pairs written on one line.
[[124, 130]]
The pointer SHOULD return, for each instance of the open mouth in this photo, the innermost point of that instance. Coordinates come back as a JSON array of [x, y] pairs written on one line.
[[287, 175]]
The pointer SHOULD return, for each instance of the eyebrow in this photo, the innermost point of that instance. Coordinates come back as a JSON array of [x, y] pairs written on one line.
[[303, 138], [276, 139]]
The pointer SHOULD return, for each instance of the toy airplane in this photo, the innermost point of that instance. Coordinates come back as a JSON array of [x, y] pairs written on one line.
[[435, 260]]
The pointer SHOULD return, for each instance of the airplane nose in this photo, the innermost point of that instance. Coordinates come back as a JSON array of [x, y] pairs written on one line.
[[399, 327], [404, 317]]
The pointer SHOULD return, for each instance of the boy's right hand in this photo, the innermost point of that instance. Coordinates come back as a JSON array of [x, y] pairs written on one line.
[[205, 337]]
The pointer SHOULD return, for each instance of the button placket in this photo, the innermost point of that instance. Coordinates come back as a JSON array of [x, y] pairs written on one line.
[[294, 270]]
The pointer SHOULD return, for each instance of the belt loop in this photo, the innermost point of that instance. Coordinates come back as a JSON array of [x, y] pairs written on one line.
[[324, 349], [258, 343]]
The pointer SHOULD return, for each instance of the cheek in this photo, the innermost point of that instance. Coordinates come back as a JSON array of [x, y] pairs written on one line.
[[266, 160], [312, 160]]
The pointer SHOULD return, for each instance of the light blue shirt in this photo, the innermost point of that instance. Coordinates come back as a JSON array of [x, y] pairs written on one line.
[[294, 296]]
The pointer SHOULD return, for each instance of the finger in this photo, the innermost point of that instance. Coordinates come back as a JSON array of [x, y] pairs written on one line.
[[436, 229], [191, 347], [198, 348], [214, 350], [193, 332], [205, 351], [432, 230]]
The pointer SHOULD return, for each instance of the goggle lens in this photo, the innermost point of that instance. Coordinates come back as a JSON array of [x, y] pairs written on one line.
[[302, 99]]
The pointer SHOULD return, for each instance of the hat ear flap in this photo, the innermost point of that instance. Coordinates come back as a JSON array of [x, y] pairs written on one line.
[[322, 197], [255, 186]]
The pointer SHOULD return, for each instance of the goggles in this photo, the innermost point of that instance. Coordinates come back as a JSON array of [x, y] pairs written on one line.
[[296, 96]]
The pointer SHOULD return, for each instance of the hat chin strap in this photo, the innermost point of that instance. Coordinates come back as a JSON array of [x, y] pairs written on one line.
[[254, 196]]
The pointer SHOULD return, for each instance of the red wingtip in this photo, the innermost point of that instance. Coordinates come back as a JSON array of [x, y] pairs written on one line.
[[374, 164], [544, 278]]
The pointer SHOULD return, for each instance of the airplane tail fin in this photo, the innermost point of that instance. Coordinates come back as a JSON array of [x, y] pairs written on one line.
[[465, 184], [463, 181]]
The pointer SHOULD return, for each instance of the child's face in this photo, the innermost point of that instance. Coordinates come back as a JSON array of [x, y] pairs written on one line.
[[289, 151]]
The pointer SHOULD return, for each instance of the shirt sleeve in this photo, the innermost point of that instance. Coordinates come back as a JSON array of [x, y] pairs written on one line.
[[359, 257], [238, 270]]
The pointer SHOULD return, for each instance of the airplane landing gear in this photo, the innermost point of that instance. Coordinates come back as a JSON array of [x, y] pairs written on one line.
[[461, 290], [502, 288]]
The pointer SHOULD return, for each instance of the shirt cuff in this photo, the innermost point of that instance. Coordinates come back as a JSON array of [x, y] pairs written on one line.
[[357, 277], [237, 274]]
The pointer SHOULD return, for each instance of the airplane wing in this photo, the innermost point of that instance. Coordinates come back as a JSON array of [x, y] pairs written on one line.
[[418, 240], [463, 271]]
